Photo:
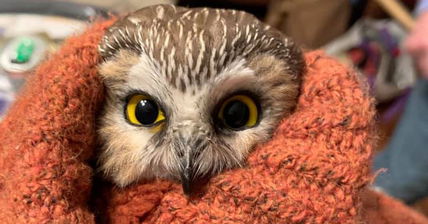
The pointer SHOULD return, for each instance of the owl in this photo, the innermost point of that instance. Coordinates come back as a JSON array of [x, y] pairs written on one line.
[[190, 92]]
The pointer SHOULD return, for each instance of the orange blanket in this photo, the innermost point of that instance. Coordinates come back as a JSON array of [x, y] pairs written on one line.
[[314, 170]]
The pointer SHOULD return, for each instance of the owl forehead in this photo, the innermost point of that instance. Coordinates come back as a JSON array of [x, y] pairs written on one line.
[[190, 47], [190, 104]]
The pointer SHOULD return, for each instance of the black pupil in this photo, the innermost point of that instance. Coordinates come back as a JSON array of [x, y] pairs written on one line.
[[236, 114], [146, 112]]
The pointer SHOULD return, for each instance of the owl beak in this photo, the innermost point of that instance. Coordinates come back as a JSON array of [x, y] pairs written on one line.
[[186, 179], [192, 144], [188, 168]]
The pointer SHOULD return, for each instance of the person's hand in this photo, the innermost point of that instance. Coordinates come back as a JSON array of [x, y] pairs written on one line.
[[417, 43]]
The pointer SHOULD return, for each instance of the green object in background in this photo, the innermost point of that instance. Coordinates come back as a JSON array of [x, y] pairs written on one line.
[[24, 50], [22, 53]]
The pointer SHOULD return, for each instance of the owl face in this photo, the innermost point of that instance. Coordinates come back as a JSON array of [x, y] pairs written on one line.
[[190, 92]]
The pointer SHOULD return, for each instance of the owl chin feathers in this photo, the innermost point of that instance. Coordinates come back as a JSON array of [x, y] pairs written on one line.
[[190, 92]]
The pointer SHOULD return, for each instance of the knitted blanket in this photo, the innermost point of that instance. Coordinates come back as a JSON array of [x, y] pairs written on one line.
[[314, 170]]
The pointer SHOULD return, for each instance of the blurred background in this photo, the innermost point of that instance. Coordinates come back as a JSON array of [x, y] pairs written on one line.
[[368, 35]]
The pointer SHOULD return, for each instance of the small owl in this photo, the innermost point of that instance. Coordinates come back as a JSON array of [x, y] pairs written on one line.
[[190, 92]]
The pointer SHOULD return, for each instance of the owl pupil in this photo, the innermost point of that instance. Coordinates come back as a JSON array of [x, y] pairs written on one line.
[[236, 114], [146, 112]]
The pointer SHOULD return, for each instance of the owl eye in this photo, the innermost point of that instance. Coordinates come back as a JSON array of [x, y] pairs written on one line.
[[141, 110], [239, 111]]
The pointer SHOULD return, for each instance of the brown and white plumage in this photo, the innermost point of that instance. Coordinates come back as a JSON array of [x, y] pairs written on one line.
[[190, 62]]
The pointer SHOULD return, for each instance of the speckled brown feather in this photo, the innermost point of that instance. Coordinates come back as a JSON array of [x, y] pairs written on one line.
[[199, 42]]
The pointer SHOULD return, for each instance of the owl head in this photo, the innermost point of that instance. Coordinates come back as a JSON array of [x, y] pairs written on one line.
[[190, 92]]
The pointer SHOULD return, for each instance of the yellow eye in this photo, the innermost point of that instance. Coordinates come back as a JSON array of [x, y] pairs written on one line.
[[143, 111], [239, 111]]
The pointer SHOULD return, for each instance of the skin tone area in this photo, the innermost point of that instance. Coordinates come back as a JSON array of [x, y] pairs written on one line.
[[417, 44]]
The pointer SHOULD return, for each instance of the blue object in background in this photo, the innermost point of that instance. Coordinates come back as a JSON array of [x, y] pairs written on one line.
[[3, 104], [406, 156], [6, 94], [422, 6]]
